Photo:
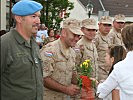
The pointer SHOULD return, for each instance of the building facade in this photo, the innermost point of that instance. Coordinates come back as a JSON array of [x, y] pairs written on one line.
[[80, 12]]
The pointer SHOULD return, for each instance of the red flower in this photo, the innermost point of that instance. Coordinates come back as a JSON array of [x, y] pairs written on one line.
[[87, 88]]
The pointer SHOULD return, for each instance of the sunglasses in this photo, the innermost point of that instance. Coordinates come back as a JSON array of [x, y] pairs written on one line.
[[109, 25], [120, 22]]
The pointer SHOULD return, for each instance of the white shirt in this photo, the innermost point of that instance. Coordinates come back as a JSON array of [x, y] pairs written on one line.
[[39, 40], [40, 34], [121, 76]]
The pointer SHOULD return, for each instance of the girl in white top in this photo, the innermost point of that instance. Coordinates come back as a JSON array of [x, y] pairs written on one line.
[[115, 53], [122, 74]]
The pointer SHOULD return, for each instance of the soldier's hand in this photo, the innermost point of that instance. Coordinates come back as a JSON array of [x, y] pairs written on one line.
[[87, 95], [93, 79], [84, 94], [72, 90]]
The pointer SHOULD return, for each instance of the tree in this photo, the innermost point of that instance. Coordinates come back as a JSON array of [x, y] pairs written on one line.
[[52, 11]]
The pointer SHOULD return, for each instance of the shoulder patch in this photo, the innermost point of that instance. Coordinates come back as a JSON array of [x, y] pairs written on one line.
[[76, 49], [48, 54]]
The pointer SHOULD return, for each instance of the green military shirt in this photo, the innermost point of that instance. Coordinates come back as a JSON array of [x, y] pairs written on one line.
[[21, 70]]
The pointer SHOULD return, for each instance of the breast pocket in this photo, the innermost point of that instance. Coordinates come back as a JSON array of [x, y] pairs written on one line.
[[24, 59], [39, 63], [22, 67], [60, 65], [103, 46]]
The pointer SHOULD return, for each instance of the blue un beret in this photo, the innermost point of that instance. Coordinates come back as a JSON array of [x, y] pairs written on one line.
[[26, 7]]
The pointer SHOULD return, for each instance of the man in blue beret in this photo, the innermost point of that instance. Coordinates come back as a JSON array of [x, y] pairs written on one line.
[[21, 69]]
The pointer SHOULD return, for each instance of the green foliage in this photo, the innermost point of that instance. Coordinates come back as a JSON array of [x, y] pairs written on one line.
[[85, 69], [79, 82], [93, 84], [51, 11]]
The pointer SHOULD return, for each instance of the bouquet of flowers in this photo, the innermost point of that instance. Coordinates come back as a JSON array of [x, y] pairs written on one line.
[[84, 80]]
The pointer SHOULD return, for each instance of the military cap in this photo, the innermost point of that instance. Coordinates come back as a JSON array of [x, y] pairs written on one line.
[[89, 23], [26, 7], [119, 18], [73, 25], [106, 20]]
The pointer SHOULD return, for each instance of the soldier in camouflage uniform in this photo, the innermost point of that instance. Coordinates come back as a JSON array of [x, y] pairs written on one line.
[[102, 42], [59, 63], [115, 33], [87, 48]]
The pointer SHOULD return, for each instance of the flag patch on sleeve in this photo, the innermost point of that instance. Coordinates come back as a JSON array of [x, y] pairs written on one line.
[[76, 49], [48, 54]]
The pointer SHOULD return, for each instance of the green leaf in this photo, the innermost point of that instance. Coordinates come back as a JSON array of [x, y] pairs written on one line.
[[54, 9], [93, 84], [80, 83]]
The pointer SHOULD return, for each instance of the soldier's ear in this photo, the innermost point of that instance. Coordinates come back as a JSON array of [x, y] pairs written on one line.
[[18, 18], [63, 33], [99, 24], [82, 28]]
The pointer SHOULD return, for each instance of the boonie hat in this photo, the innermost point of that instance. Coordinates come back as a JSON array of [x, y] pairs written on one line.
[[119, 18], [89, 23], [26, 7], [105, 20], [73, 25]]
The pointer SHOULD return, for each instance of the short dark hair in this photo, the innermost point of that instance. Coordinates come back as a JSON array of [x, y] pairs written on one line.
[[118, 52], [127, 36]]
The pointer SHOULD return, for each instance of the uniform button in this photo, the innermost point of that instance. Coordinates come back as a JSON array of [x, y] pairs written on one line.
[[36, 60]]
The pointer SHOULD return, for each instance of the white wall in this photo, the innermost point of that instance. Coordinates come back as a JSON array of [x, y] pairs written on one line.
[[3, 15], [129, 19], [78, 12]]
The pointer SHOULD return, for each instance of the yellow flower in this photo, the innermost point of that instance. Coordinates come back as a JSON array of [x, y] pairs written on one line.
[[81, 65], [85, 64], [87, 61]]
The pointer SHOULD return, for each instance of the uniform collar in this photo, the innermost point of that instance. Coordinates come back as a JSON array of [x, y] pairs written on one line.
[[130, 54], [85, 41], [102, 36], [19, 38], [63, 48], [116, 31]]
